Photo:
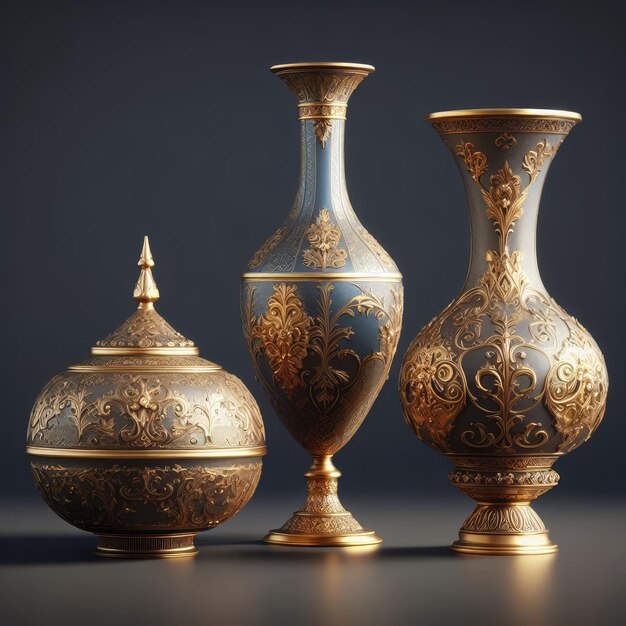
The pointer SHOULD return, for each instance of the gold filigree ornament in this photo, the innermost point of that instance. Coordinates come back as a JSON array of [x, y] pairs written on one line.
[[330, 387], [324, 236], [145, 443], [503, 380], [321, 312]]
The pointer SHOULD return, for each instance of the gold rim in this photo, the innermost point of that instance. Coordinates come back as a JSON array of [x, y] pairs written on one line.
[[158, 369], [506, 112], [367, 538], [164, 351], [361, 68], [216, 453], [360, 276]]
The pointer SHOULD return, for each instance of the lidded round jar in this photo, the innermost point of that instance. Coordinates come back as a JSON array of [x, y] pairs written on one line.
[[145, 443]]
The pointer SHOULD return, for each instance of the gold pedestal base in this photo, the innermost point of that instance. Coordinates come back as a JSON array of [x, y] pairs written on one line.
[[504, 528], [146, 546], [503, 487], [504, 544], [322, 520], [366, 538]]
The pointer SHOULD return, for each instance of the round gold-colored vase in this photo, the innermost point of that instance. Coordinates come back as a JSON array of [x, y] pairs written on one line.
[[322, 308], [504, 381], [146, 444]]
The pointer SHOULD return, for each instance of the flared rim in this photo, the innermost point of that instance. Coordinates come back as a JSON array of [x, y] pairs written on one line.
[[321, 66], [505, 112]]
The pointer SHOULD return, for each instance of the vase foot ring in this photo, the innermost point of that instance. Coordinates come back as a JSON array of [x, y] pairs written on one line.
[[504, 544], [176, 545], [367, 538]]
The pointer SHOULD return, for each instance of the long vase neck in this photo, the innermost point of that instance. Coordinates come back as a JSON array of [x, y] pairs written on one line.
[[322, 91], [322, 171], [504, 162]]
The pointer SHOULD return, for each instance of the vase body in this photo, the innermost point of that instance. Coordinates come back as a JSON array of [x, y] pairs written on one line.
[[504, 381], [322, 308], [146, 443]]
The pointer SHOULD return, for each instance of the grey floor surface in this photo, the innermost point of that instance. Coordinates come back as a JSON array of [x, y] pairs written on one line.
[[48, 575]]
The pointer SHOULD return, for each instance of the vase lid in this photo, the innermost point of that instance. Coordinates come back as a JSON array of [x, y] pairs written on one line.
[[145, 331]]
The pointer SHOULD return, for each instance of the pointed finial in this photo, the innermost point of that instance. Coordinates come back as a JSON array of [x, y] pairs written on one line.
[[146, 290]]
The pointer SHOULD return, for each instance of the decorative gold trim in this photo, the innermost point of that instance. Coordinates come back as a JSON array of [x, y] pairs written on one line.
[[165, 351], [146, 546], [505, 112], [322, 111], [367, 538], [285, 68], [337, 276], [184, 369], [216, 453]]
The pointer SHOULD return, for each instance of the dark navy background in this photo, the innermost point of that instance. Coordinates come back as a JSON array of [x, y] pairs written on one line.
[[119, 119]]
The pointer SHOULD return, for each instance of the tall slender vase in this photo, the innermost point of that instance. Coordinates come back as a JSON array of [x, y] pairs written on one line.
[[322, 307], [504, 381]]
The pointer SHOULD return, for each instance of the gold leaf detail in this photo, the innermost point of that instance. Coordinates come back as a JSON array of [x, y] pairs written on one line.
[[324, 235], [505, 202], [533, 159], [284, 334], [475, 160], [323, 128]]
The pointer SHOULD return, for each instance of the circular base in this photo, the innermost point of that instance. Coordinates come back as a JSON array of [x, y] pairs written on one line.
[[367, 538], [146, 546], [504, 544]]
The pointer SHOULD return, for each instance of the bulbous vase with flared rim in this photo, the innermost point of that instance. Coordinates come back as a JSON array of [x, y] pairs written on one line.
[[322, 307], [504, 381]]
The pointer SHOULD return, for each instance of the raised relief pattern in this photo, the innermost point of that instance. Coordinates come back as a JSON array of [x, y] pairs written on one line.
[[517, 332], [137, 497], [134, 411], [323, 236]]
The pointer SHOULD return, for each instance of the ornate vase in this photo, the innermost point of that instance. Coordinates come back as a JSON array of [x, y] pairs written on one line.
[[322, 307], [145, 443], [504, 381]]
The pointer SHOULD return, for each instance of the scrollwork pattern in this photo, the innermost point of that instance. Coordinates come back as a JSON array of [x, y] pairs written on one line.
[[143, 411], [504, 348], [310, 360], [145, 328], [324, 235], [138, 497]]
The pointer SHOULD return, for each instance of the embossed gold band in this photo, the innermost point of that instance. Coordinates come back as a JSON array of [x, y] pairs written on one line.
[[322, 111], [184, 369], [350, 276], [223, 453], [164, 351]]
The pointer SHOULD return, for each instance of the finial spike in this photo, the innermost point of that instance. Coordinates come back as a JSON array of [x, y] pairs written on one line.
[[146, 290]]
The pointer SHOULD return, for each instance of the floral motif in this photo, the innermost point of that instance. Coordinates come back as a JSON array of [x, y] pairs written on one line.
[[283, 333], [505, 333], [475, 160], [139, 497], [122, 410], [323, 236], [323, 129], [533, 159], [504, 201]]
